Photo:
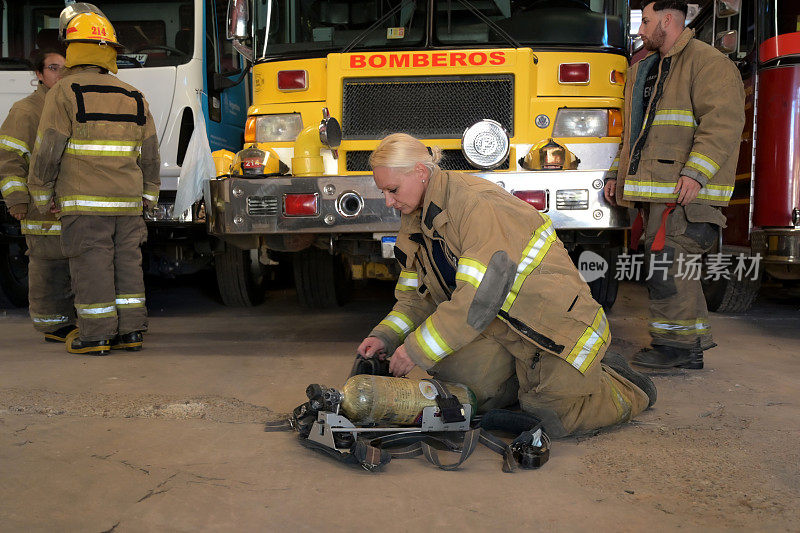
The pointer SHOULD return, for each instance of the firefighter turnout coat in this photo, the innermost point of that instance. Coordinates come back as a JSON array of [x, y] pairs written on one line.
[[691, 126], [474, 253], [17, 138], [98, 149]]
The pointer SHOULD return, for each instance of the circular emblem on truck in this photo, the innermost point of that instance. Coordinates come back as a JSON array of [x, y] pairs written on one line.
[[542, 121]]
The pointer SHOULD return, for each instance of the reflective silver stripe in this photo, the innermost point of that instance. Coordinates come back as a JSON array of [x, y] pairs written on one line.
[[124, 301], [49, 319], [672, 327], [431, 342], [614, 165], [702, 163], [97, 203], [15, 145], [95, 310], [400, 323], [586, 349], [407, 281], [103, 148], [150, 197], [470, 271], [54, 227], [9, 185], [675, 118]]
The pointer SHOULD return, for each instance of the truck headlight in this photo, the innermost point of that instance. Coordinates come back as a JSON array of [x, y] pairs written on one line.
[[273, 128], [485, 144], [581, 123]]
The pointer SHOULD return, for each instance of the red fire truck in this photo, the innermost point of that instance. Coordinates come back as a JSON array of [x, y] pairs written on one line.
[[763, 38]]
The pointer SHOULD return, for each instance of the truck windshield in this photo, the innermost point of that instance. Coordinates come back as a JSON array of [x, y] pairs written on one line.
[[309, 27], [154, 32], [779, 17]]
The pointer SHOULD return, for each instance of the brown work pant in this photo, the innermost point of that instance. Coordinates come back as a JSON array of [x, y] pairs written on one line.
[[500, 367], [49, 292], [105, 261], [678, 312]]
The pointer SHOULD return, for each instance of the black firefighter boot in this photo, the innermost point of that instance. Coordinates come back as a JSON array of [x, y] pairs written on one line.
[[131, 342], [61, 334], [79, 346], [663, 357], [618, 362]]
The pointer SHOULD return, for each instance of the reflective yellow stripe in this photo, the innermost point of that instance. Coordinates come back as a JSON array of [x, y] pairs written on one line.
[[470, 271], [534, 252], [130, 300], [657, 189], [675, 117], [697, 326], [103, 148], [12, 144], [431, 342], [703, 163], [399, 323], [408, 281], [614, 165], [12, 184], [80, 203], [102, 310], [593, 338], [40, 227], [41, 197]]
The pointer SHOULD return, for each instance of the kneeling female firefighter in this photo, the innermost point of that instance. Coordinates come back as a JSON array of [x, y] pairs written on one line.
[[488, 297]]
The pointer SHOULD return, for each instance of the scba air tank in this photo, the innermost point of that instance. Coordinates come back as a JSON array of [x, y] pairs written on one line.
[[386, 400]]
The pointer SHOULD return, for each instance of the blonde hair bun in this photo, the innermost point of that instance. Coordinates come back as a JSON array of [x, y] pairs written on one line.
[[403, 151]]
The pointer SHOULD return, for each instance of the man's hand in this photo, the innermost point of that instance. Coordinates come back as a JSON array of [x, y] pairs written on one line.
[[53, 207], [610, 192], [18, 211], [371, 346], [401, 364], [687, 190]]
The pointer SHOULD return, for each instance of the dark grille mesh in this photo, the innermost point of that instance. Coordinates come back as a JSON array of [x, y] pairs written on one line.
[[358, 161], [426, 107]]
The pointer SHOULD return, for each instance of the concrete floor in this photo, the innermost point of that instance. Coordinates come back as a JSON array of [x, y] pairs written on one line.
[[172, 438]]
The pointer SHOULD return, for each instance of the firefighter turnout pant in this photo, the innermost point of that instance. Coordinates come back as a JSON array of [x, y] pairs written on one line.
[[678, 312], [105, 261], [500, 366], [49, 292]]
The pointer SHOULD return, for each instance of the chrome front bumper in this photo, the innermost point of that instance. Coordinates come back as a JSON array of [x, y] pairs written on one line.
[[353, 204]]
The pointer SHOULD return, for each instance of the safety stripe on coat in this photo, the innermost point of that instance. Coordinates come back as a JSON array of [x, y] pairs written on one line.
[[399, 323], [697, 326], [408, 281], [12, 184], [40, 227], [532, 256], [40, 197], [103, 148], [80, 203], [470, 271], [49, 320], [150, 193], [658, 189], [101, 310], [589, 344], [130, 300], [434, 346], [703, 163], [615, 164], [12, 144], [675, 117]]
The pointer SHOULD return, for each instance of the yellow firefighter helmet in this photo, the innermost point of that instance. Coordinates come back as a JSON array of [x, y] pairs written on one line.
[[85, 23]]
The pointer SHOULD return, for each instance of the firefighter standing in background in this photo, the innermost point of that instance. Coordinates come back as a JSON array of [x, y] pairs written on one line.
[[96, 163], [49, 293], [488, 297], [684, 114]]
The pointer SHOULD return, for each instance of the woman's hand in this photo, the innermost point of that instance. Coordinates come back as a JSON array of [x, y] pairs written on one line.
[[401, 364], [371, 346]]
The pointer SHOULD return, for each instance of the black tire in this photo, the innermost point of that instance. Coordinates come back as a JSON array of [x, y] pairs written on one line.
[[322, 280], [731, 296], [240, 277], [14, 271], [604, 289]]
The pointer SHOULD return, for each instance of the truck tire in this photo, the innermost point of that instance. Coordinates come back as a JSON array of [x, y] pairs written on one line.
[[604, 289], [322, 280], [14, 272], [240, 277], [731, 295]]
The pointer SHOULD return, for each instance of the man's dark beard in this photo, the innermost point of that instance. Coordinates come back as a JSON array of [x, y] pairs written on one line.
[[659, 36]]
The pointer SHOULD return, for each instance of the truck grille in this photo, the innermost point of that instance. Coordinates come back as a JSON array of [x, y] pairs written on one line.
[[358, 161], [426, 107], [262, 206]]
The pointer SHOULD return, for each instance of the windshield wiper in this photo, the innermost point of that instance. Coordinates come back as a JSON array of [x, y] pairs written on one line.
[[360, 37], [489, 22]]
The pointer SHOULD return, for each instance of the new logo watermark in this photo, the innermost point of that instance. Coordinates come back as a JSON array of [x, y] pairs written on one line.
[[591, 266], [714, 267]]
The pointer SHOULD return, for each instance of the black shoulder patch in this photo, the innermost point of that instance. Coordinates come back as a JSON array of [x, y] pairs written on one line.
[[401, 256], [82, 115], [417, 238], [431, 213]]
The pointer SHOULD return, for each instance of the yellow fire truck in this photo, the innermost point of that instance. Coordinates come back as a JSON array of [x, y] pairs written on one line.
[[524, 94]]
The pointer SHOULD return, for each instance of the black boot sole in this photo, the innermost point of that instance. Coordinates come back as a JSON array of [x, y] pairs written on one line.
[[618, 363]]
